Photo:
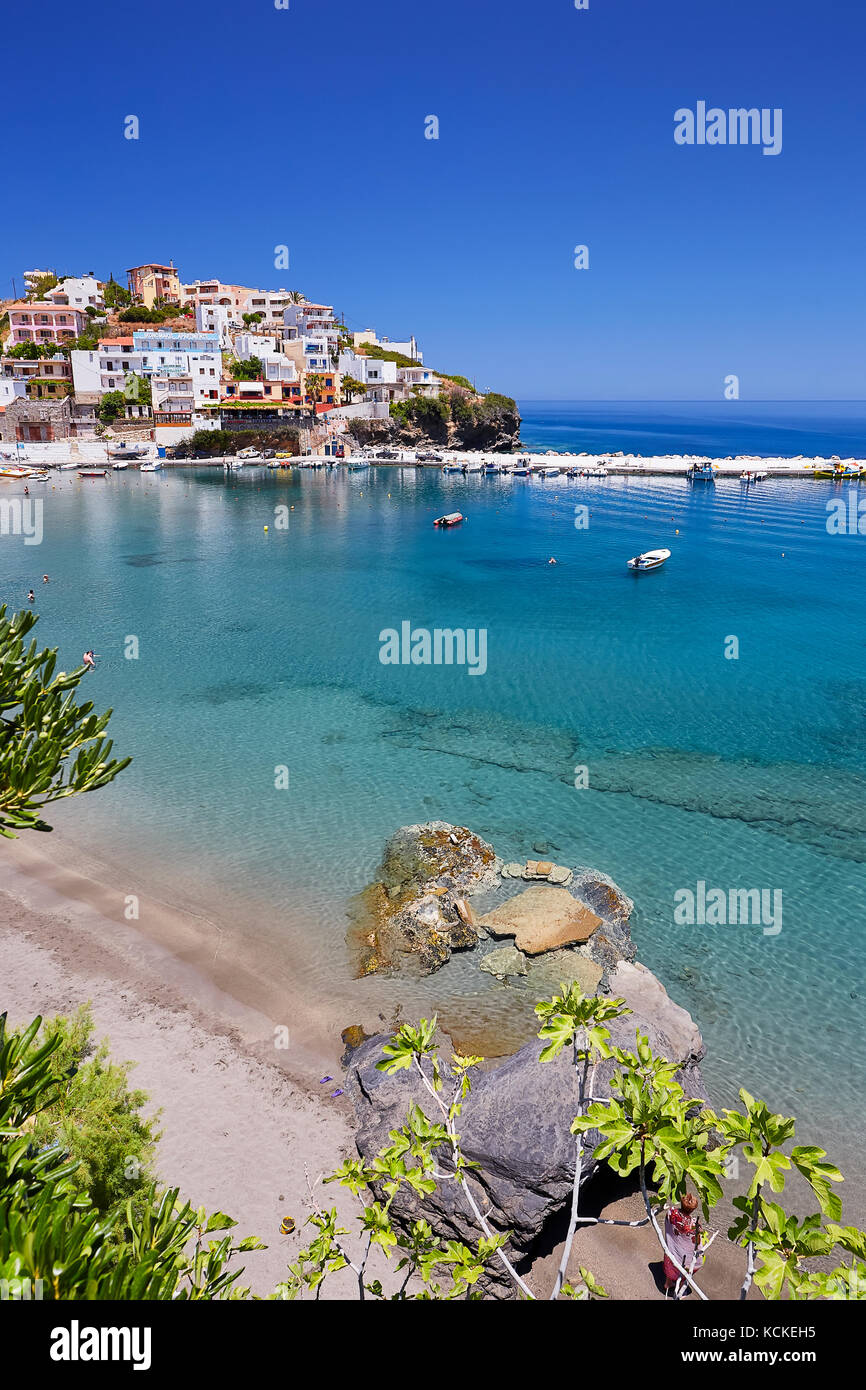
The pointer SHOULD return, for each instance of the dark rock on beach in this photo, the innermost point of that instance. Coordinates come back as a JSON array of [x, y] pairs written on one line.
[[515, 1124]]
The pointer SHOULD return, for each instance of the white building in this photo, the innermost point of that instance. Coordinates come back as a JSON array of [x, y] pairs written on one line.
[[407, 348], [306, 319], [214, 294], [215, 318], [247, 345], [271, 304], [10, 389], [86, 378], [420, 380], [372, 371], [78, 292]]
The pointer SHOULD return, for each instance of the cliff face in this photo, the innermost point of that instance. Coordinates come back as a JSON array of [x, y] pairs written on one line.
[[458, 421]]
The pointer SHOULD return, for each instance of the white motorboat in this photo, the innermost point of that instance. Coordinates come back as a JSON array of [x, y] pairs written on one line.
[[472, 466], [649, 560], [153, 467], [598, 472], [549, 472], [120, 464], [69, 467]]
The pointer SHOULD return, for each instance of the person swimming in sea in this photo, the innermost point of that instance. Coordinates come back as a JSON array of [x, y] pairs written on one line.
[[31, 597], [89, 660], [45, 579]]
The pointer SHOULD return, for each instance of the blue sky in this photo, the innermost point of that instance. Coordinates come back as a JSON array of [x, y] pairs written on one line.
[[305, 127]]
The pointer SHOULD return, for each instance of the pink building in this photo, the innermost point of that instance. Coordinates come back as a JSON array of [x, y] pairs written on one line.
[[41, 322]]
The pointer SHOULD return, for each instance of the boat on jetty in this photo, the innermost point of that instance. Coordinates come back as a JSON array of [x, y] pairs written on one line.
[[15, 472], [127, 451], [649, 560], [449, 519]]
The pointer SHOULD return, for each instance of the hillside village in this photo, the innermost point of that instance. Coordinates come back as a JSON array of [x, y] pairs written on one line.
[[192, 365]]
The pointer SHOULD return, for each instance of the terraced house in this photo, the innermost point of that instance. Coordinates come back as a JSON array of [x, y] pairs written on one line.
[[43, 322]]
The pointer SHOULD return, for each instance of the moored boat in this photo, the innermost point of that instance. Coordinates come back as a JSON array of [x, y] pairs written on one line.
[[649, 560], [93, 472], [449, 519], [153, 467]]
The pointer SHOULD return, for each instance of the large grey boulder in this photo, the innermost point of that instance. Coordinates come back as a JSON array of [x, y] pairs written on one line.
[[515, 1124]]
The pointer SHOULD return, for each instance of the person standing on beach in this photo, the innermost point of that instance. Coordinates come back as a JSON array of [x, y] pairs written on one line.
[[681, 1237]]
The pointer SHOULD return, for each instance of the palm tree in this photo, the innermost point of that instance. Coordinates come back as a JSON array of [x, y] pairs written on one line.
[[314, 385], [295, 297]]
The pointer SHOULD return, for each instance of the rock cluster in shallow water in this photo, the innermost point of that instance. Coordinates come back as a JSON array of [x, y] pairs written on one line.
[[418, 911]]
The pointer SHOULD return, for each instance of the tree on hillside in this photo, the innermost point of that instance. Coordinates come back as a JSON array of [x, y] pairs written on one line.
[[351, 387], [50, 747], [249, 369], [116, 297], [43, 285], [111, 407]]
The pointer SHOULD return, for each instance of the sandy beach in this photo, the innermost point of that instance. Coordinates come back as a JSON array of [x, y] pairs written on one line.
[[245, 1127], [243, 1124]]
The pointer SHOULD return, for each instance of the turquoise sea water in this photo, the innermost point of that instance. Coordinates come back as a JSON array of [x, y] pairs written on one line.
[[718, 429], [259, 650]]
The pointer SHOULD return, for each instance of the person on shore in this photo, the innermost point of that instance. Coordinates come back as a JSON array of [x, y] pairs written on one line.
[[681, 1237], [89, 660]]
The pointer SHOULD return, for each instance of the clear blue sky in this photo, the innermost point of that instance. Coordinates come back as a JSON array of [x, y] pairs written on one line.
[[261, 126]]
